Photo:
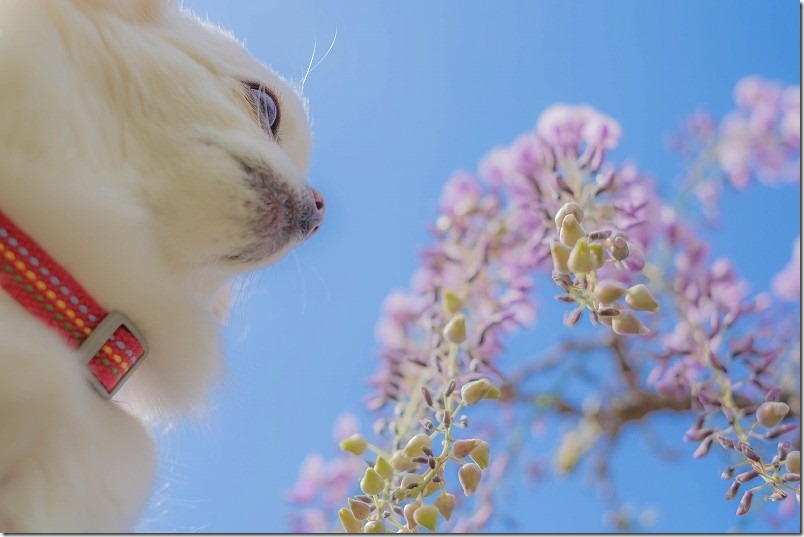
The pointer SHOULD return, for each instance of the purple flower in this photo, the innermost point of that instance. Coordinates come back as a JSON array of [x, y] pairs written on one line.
[[787, 284]]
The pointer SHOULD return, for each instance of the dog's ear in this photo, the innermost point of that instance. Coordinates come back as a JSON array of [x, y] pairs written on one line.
[[137, 11]]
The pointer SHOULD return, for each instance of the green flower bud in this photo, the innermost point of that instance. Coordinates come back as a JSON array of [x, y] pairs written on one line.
[[640, 298], [409, 480], [446, 504], [627, 324], [770, 413], [383, 468], [568, 208], [474, 391], [793, 462], [348, 521], [462, 448], [560, 253], [374, 526], [569, 452], [469, 477], [372, 483], [399, 461], [408, 512], [427, 516], [354, 444], [599, 253], [608, 291], [571, 231], [359, 509], [415, 445], [455, 331], [585, 257], [450, 303], [481, 454]]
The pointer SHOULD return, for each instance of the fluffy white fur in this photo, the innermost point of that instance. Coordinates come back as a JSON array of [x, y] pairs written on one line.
[[129, 151]]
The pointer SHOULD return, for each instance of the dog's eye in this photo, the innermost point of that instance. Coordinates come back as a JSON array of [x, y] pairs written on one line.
[[265, 105]]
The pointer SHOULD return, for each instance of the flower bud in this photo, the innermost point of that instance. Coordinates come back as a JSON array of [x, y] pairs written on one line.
[[572, 317], [791, 477], [619, 247], [771, 413], [408, 513], [450, 303], [445, 504], [636, 258], [399, 461], [640, 298], [749, 453], [415, 445], [733, 490], [703, 448], [427, 516], [560, 253], [383, 468], [359, 509], [585, 257], [374, 526], [745, 503], [474, 391], [462, 448], [372, 483], [355, 444], [745, 477], [608, 291], [571, 230], [568, 208], [469, 477], [569, 452], [793, 462], [455, 331], [410, 481], [348, 521], [627, 324], [696, 435], [480, 454], [726, 443]]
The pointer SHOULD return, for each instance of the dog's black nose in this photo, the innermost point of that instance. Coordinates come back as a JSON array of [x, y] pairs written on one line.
[[317, 214]]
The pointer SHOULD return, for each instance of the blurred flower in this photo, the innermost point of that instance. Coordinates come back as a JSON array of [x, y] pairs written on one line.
[[760, 139], [787, 284]]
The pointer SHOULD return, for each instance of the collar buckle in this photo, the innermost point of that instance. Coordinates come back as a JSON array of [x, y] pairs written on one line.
[[99, 337]]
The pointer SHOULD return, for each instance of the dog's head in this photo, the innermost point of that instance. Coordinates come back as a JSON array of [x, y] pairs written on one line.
[[218, 144], [153, 157]]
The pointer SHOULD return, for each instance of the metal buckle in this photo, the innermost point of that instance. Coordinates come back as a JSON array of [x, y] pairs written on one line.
[[98, 338]]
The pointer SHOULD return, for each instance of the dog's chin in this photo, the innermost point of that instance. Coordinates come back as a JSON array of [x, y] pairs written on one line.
[[260, 254]]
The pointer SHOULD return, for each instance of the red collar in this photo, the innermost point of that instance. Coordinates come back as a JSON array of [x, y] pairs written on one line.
[[109, 345]]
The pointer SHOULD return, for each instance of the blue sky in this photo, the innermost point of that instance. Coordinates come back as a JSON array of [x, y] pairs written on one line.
[[410, 92]]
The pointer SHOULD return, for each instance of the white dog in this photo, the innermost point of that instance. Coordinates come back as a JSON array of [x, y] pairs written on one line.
[[152, 159]]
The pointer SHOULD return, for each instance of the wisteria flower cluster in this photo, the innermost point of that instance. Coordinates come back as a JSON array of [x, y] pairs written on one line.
[[758, 140], [685, 331]]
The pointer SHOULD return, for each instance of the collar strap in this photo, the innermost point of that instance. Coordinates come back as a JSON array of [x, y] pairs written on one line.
[[109, 345]]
